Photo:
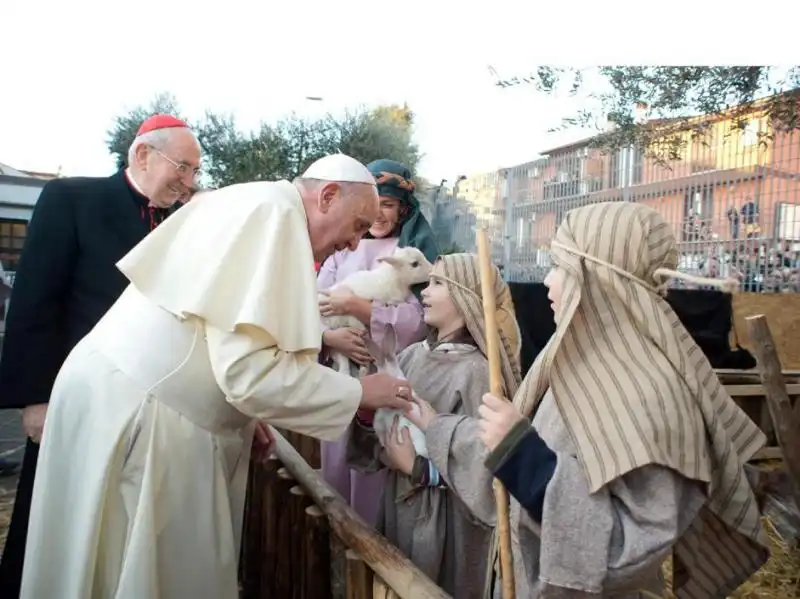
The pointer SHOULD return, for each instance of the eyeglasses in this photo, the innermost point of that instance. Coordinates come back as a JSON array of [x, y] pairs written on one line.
[[182, 168]]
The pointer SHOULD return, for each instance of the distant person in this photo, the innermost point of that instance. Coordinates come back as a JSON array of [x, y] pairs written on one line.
[[67, 280]]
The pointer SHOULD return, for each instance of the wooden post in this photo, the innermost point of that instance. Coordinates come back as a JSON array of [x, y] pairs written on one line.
[[317, 583], [298, 502], [307, 447], [338, 569], [271, 518], [283, 579], [312, 452], [384, 558], [496, 387], [380, 590], [359, 577], [787, 427], [257, 565]]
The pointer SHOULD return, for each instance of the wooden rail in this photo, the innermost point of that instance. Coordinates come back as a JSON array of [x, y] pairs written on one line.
[[302, 541]]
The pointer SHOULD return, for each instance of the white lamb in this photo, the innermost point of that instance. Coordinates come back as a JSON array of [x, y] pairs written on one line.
[[389, 283]]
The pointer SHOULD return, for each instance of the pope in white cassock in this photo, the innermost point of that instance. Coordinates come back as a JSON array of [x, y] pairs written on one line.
[[143, 465]]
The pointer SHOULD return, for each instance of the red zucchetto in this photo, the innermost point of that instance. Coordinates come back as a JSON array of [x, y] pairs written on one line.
[[160, 121]]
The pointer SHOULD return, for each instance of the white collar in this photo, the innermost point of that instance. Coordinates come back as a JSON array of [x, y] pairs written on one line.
[[132, 181]]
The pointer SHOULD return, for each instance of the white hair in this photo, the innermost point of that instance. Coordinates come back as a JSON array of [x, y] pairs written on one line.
[[157, 139]]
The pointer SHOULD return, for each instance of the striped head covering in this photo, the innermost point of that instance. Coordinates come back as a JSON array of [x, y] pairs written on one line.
[[633, 388], [461, 274]]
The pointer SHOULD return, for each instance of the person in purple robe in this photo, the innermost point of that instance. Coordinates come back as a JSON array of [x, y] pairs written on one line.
[[400, 224]]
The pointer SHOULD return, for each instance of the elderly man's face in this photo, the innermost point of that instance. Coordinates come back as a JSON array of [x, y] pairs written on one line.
[[168, 173], [345, 214]]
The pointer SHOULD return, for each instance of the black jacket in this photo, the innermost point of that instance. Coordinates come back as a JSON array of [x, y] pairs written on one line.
[[66, 279]]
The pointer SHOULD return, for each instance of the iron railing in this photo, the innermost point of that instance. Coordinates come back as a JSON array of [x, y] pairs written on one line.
[[733, 202]]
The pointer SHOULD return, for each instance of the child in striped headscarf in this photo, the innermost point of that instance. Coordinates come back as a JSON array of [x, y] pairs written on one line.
[[440, 511], [636, 451]]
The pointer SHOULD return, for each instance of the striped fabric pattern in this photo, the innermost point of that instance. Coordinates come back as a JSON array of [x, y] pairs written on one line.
[[635, 389], [461, 274]]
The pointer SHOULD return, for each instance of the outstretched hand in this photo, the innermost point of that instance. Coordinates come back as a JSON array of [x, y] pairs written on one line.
[[384, 391]]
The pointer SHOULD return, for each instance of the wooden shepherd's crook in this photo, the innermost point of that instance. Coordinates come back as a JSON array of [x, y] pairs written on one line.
[[787, 426], [496, 388]]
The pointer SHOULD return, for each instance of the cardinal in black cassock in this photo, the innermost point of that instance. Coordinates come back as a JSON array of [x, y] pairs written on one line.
[[67, 280]]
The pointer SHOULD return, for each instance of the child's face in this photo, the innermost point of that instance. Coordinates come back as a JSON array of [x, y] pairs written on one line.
[[554, 281], [440, 311]]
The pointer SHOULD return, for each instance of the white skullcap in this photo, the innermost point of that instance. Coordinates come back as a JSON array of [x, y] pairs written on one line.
[[339, 168]]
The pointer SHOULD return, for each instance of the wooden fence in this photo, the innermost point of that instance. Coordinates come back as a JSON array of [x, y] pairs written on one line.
[[302, 541], [782, 311]]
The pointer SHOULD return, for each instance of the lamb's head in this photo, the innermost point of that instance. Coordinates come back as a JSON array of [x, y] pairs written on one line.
[[411, 265]]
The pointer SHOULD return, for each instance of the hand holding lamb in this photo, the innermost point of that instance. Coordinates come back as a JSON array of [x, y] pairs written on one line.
[[389, 283], [386, 361]]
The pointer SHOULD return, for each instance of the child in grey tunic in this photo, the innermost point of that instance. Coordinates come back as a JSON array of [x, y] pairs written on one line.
[[440, 511]]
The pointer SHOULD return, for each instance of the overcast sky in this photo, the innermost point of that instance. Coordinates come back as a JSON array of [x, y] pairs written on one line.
[[69, 67]]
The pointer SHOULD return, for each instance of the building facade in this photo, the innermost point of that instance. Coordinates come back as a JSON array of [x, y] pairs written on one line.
[[732, 197], [19, 191]]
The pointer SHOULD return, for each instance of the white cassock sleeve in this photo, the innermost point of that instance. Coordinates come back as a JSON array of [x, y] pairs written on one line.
[[240, 260], [289, 390]]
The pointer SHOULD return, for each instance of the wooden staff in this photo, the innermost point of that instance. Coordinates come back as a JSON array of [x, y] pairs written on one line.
[[496, 388], [386, 560], [787, 427]]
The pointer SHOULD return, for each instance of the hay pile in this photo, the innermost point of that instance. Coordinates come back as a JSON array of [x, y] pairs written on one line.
[[780, 576], [778, 579]]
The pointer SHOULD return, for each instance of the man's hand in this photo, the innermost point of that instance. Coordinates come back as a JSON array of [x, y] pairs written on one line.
[[384, 391], [263, 442], [33, 421], [498, 417], [350, 342]]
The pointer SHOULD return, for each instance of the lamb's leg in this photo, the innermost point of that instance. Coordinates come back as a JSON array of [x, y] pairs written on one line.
[[341, 363]]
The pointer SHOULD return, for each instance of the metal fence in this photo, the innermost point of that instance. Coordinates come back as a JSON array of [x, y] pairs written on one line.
[[733, 201], [12, 440]]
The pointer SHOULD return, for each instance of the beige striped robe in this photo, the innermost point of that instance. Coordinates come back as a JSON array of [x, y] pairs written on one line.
[[637, 399]]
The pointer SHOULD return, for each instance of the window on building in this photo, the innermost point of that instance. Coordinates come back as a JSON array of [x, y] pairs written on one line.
[[750, 133], [614, 170], [698, 208], [627, 167], [12, 238], [525, 227], [637, 165], [788, 222]]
